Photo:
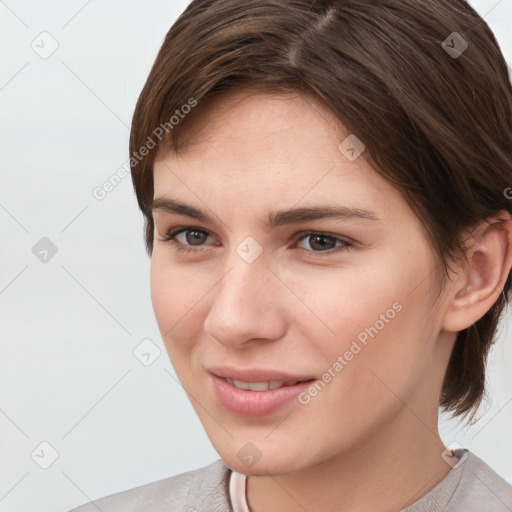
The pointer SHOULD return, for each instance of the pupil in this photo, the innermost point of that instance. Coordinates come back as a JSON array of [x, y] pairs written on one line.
[[196, 239], [316, 238]]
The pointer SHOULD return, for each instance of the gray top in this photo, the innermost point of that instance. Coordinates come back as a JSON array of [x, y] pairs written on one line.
[[471, 486]]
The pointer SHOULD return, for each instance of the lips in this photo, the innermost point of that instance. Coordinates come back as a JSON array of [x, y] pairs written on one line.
[[252, 403], [257, 392], [257, 374], [259, 386]]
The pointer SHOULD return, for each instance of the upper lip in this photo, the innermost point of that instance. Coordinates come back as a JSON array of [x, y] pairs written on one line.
[[256, 374]]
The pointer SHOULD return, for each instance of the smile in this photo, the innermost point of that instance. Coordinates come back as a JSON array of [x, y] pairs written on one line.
[[255, 399]]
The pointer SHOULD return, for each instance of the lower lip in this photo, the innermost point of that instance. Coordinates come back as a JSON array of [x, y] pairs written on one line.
[[254, 403]]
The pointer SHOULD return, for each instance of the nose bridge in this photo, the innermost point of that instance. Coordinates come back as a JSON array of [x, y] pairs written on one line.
[[239, 303], [246, 266], [242, 282]]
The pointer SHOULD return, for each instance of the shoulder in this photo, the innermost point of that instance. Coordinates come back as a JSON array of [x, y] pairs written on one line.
[[201, 490], [480, 488]]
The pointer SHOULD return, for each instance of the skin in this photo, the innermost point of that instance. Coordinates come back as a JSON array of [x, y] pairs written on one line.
[[369, 440]]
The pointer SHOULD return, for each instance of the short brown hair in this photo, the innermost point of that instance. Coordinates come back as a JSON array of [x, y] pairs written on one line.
[[435, 125]]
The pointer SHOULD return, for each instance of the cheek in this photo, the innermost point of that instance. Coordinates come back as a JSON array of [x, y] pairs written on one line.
[[367, 324], [344, 304], [176, 297]]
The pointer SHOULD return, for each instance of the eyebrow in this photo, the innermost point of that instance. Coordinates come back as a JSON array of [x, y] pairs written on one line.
[[273, 219]]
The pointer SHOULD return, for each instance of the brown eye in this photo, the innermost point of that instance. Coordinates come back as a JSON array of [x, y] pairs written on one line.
[[323, 244], [187, 239], [194, 237]]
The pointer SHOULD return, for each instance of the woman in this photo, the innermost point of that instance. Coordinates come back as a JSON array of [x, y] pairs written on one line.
[[324, 190]]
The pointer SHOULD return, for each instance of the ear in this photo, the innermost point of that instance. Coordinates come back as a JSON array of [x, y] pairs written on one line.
[[480, 281]]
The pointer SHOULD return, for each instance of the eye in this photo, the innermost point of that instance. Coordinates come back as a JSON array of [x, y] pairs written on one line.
[[324, 244], [189, 237]]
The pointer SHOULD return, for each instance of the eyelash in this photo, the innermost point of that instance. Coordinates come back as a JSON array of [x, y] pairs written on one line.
[[179, 247]]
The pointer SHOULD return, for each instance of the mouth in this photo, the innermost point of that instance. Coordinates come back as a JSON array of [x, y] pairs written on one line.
[[264, 385], [255, 398], [258, 376]]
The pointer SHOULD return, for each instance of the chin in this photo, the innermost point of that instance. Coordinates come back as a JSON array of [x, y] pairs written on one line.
[[260, 469], [273, 464]]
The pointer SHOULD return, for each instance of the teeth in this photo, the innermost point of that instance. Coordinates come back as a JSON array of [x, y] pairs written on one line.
[[259, 386]]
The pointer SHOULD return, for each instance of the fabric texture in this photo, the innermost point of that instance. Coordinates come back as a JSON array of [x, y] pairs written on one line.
[[471, 486], [238, 492]]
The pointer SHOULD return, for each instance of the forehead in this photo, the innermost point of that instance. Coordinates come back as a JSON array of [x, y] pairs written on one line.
[[249, 117], [251, 107], [284, 146]]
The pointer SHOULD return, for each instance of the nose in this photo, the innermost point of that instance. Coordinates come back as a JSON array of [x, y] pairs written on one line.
[[246, 305]]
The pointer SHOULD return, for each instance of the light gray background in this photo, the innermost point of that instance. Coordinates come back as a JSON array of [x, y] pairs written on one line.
[[68, 327]]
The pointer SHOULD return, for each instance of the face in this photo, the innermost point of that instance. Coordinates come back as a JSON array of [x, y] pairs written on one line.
[[342, 299]]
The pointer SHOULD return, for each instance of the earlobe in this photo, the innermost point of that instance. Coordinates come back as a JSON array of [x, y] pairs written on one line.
[[480, 282]]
